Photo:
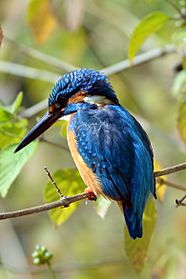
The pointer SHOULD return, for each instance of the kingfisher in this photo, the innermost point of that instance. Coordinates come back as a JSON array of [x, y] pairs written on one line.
[[111, 150]]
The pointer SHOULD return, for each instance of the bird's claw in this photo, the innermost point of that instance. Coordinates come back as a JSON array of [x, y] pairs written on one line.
[[92, 196]]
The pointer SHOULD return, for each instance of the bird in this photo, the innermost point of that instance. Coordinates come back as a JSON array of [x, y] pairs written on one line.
[[111, 150]]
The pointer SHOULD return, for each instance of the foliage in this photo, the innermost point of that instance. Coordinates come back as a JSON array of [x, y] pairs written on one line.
[[147, 26], [70, 183], [12, 129], [11, 165]]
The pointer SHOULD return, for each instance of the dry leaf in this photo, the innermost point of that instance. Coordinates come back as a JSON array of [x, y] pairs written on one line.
[[41, 19]]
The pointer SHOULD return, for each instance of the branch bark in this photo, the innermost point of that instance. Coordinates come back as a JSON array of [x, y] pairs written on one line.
[[51, 60], [27, 72], [66, 201], [139, 60]]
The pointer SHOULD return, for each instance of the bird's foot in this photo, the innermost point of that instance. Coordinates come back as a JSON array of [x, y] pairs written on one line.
[[92, 195]]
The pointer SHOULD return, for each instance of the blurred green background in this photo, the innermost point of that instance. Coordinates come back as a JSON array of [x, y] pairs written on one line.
[[94, 34]]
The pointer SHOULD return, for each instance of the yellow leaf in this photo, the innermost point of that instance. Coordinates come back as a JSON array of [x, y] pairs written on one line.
[[137, 249], [41, 19], [160, 186], [181, 123]]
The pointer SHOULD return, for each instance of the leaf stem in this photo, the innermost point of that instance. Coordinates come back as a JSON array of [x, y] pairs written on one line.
[[53, 276]]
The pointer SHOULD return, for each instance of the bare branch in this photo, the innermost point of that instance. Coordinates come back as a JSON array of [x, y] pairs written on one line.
[[42, 139], [66, 201], [171, 184], [64, 66], [121, 66], [170, 170], [54, 183], [28, 72], [139, 60]]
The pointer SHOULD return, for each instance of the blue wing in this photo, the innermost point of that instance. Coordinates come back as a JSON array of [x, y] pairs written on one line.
[[114, 145]]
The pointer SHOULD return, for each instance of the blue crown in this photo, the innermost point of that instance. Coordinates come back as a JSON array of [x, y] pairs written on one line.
[[90, 81]]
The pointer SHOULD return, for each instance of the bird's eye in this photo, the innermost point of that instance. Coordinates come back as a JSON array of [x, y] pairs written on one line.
[[57, 105]]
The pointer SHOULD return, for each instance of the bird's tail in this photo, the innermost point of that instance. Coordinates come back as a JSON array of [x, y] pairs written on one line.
[[133, 220]]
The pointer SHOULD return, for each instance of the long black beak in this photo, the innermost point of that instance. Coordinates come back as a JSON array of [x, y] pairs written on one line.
[[44, 123]]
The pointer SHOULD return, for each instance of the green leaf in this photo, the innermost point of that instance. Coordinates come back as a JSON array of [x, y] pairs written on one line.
[[5, 115], [147, 26], [12, 129], [17, 103], [137, 249], [181, 122], [12, 132], [70, 183], [11, 164]]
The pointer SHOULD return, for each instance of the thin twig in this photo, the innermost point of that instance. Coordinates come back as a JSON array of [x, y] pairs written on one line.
[[175, 7], [180, 201], [62, 65], [35, 109], [42, 139], [53, 182], [51, 270], [139, 60], [27, 72], [170, 170], [66, 201], [162, 181]]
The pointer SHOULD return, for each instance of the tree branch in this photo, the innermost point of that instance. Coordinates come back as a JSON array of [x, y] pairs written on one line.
[[62, 65], [28, 72], [66, 201], [139, 60], [171, 184], [170, 170], [118, 67], [42, 139]]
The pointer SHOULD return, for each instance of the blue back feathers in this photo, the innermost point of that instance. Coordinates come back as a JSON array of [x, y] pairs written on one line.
[[111, 142], [86, 80], [114, 145]]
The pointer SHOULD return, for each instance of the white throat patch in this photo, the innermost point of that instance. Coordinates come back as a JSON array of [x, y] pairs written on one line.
[[98, 100]]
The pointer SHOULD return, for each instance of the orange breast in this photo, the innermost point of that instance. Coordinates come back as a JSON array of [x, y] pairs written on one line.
[[89, 178]]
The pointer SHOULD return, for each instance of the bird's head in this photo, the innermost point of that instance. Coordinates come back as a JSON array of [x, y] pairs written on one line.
[[79, 89]]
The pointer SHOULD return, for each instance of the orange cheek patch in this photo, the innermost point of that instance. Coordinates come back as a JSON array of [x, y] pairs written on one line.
[[51, 108], [77, 98]]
